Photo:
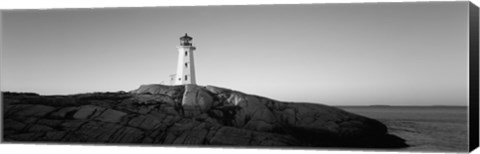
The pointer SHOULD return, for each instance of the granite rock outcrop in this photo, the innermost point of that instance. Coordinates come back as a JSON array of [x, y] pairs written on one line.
[[187, 115]]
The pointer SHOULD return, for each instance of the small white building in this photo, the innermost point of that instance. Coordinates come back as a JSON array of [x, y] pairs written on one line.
[[185, 67]]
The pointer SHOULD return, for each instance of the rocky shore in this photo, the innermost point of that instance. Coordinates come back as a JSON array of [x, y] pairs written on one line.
[[186, 115]]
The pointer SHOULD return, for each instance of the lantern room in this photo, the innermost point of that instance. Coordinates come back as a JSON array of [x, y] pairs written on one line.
[[185, 40]]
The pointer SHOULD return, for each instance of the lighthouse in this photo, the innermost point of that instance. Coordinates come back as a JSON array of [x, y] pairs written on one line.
[[185, 67]]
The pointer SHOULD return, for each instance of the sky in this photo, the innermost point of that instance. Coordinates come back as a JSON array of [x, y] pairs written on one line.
[[334, 54]]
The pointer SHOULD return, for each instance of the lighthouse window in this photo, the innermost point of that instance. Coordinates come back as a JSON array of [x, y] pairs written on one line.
[[186, 64], [179, 79], [186, 53], [186, 78]]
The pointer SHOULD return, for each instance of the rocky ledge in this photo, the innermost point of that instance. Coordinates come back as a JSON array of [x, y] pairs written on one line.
[[186, 115]]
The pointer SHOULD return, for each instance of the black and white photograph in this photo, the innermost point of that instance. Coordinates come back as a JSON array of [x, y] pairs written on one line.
[[382, 76]]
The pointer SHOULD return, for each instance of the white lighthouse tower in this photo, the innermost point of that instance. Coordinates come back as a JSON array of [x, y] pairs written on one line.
[[185, 67]]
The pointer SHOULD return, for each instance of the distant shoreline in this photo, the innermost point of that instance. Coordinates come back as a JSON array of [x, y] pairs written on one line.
[[404, 106], [340, 106]]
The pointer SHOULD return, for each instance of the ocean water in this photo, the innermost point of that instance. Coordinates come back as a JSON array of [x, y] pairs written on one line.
[[429, 129]]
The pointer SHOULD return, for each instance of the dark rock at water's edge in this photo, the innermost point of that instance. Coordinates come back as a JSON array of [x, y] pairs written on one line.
[[187, 115]]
